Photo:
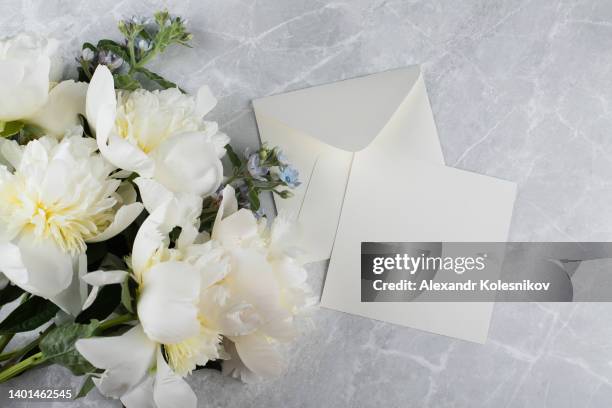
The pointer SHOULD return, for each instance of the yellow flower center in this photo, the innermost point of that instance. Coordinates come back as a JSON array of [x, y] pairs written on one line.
[[183, 357]]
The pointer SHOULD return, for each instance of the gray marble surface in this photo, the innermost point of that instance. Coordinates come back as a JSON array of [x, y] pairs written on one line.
[[520, 90]]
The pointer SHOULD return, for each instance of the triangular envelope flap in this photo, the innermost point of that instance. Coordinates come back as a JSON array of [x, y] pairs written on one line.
[[347, 114]]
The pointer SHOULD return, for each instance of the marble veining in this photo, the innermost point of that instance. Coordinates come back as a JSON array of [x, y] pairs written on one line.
[[520, 89]]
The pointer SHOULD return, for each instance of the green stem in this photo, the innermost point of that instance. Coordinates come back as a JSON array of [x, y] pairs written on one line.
[[22, 366], [115, 322], [39, 358], [4, 341], [6, 338], [148, 57], [130, 46], [25, 349]]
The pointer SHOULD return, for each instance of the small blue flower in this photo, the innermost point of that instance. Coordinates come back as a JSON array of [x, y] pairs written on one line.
[[282, 159], [144, 45], [139, 20], [242, 195], [109, 59], [255, 168], [290, 176]]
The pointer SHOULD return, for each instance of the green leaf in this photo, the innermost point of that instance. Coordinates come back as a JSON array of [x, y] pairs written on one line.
[[254, 200], [58, 346], [234, 159], [29, 315], [86, 129], [109, 297], [11, 128], [90, 46], [127, 82], [127, 294], [112, 262], [115, 48], [158, 79], [87, 386], [9, 293]]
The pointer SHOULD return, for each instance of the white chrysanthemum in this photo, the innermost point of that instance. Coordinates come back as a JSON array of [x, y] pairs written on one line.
[[160, 135], [54, 198]]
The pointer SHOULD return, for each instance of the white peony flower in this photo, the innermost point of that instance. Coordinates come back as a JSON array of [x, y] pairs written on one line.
[[242, 283], [135, 371], [26, 89], [160, 135], [54, 198], [264, 290], [25, 63], [65, 102], [170, 284]]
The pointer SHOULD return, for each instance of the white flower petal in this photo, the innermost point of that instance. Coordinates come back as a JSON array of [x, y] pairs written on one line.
[[153, 194], [25, 66], [167, 307], [188, 163], [239, 226], [205, 101], [12, 265], [126, 359], [239, 320], [125, 155], [234, 367], [66, 101], [98, 279], [101, 278], [259, 355], [71, 298], [229, 204], [140, 396], [11, 152], [123, 218], [127, 192], [101, 102], [253, 281], [91, 297], [169, 389], [220, 140], [41, 268], [101, 107], [151, 235]]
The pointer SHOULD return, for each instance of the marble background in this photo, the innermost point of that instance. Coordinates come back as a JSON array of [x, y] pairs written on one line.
[[520, 89]]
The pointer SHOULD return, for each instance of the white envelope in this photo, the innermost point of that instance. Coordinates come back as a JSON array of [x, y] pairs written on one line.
[[372, 169], [321, 128], [426, 203]]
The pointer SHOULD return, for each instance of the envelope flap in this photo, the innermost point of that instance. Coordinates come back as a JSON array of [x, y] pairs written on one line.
[[347, 114]]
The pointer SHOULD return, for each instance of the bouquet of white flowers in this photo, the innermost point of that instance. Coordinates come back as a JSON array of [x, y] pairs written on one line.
[[133, 256]]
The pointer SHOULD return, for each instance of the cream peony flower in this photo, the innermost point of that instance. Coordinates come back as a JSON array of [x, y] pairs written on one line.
[[170, 284], [160, 135], [25, 63], [136, 371], [28, 94], [242, 283], [263, 291], [54, 198]]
